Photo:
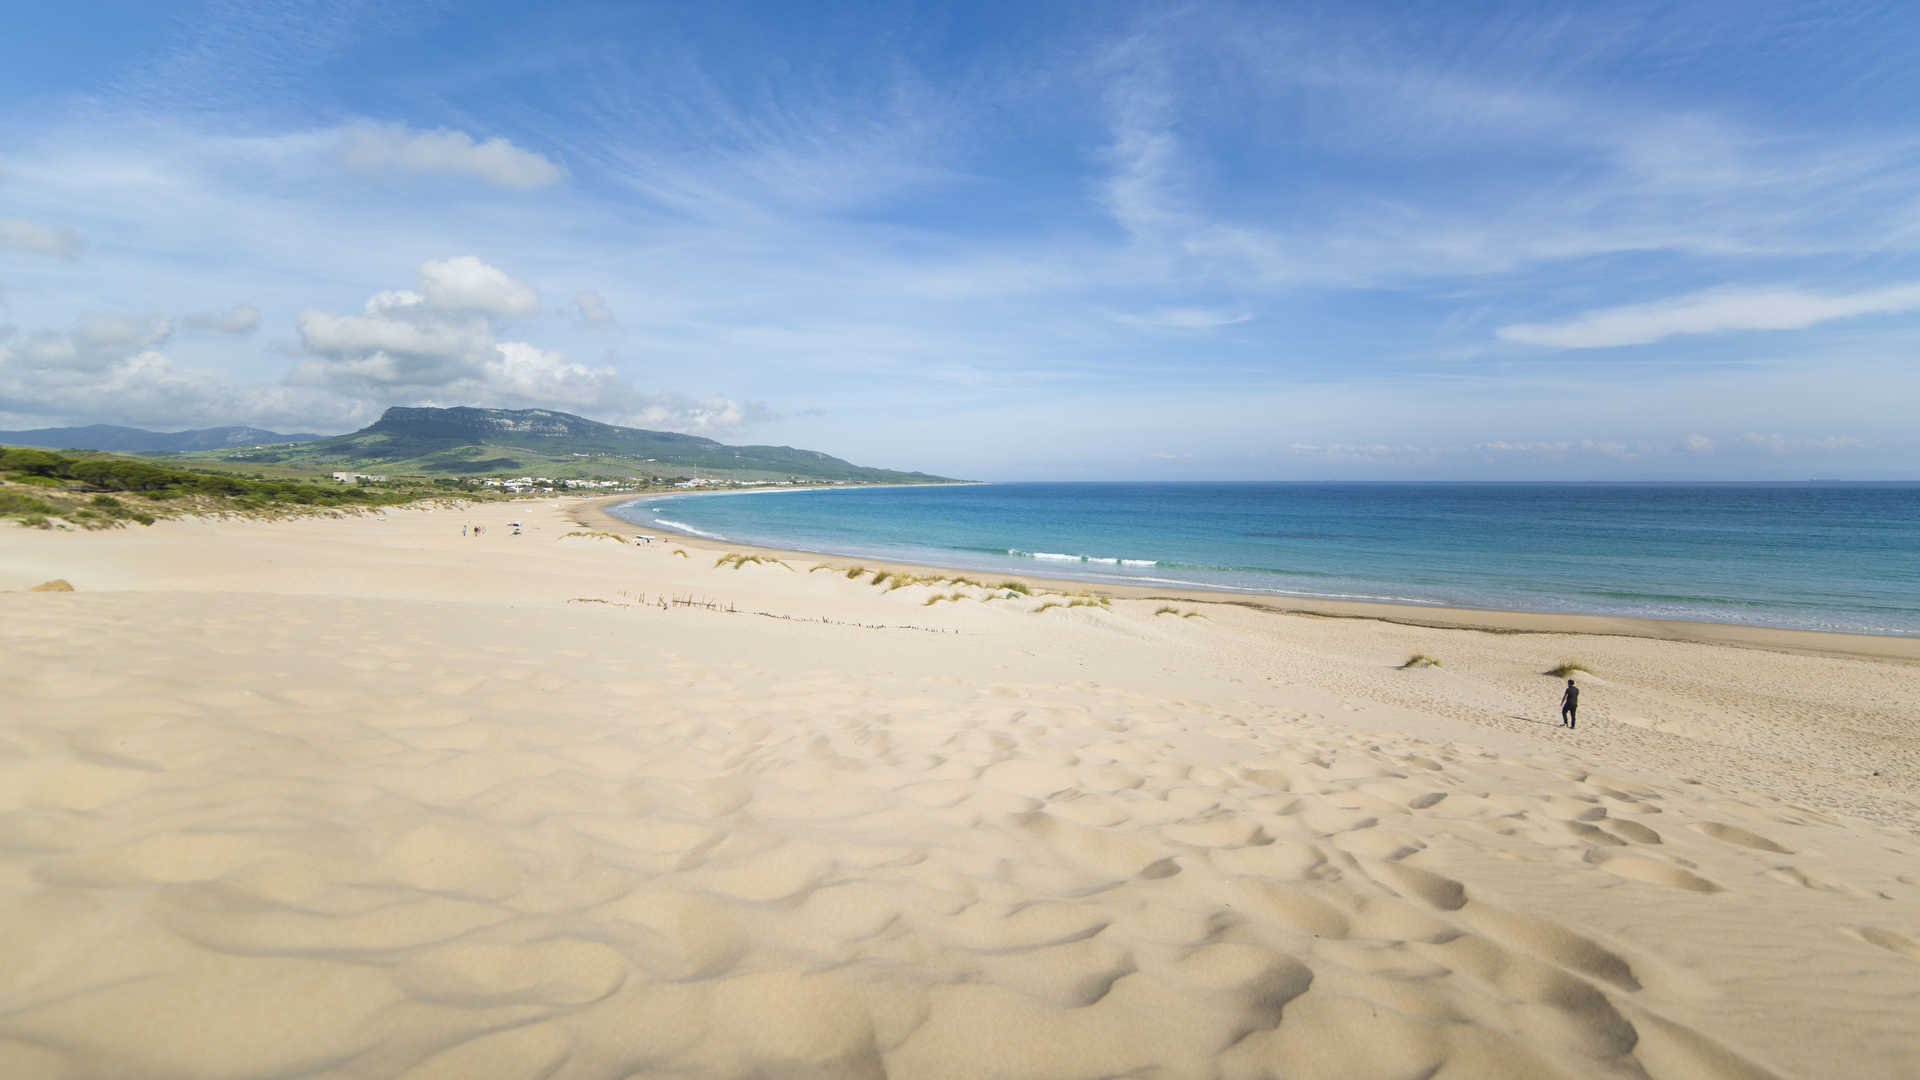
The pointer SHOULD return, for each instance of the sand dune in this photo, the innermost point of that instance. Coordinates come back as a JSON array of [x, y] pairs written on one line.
[[363, 797]]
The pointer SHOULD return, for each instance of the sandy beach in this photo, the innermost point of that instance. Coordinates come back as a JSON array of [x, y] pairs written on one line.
[[373, 796]]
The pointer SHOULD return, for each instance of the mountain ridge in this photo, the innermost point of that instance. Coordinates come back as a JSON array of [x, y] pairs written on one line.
[[130, 440], [466, 440]]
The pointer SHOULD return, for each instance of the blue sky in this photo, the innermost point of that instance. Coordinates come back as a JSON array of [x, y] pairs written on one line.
[[1067, 241]]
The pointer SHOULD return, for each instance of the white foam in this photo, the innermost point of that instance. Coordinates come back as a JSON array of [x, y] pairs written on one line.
[[677, 526]]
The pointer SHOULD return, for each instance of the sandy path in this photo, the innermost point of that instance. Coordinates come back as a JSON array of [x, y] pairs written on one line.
[[367, 798]]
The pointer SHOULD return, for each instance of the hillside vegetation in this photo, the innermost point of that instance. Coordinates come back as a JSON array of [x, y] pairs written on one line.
[[504, 442], [47, 489]]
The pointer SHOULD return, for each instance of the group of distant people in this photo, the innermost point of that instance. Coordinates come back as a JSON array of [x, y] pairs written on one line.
[[477, 530]]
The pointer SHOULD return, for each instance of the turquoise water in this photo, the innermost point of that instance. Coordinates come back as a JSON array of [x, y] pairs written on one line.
[[1817, 557]]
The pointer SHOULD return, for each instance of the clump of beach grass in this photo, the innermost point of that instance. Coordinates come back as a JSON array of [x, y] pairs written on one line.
[[1089, 601], [1048, 606], [738, 560], [682, 552], [1420, 660], [955, 595], [1567, 666], [596, 534], [1015, 587]]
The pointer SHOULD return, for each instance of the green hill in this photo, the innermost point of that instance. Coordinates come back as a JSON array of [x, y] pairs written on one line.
[[493, 442]]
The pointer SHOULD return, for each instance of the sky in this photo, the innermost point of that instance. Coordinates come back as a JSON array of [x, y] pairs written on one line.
[[1013, 241]]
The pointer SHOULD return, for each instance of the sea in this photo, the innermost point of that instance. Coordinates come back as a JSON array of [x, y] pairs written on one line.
[[1813, 556]]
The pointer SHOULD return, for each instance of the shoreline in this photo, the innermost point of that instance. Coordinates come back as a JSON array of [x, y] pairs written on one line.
[[1889, 647]]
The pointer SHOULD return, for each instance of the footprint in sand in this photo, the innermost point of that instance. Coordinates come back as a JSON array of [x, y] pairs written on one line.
[[1890, 941], [1658, 873], [1733, 834]]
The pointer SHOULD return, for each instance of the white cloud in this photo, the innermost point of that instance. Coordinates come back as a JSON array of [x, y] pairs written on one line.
[[95, 343], [593, 309], [523, 373], [239, 319], [465, 283], [497, 161], [440, 338], [1710, 312], [704, 416], [1697, 443], [1185, 318], [19, 234], [93, 380], [1783, 445], [438, 346]]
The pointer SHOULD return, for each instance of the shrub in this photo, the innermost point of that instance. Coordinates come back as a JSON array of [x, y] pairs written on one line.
[[33, 462], [1565, 669], [1419, 660], [13, 502], [106, 502]]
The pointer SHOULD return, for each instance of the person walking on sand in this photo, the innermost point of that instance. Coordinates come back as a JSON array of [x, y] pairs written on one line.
[[1569, 704]]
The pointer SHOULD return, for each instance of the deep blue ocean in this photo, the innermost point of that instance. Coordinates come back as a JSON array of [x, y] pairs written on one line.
[[1818, 557]]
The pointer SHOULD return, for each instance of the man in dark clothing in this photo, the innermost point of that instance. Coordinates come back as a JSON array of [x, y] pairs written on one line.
[[1569, 703]]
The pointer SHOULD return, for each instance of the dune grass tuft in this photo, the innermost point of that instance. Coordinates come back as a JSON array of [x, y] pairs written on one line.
[[1566, 667], [596, 534], [682, 552], [1048, 606], [1420, 660], [955, 595], [737, 560], [1015, 587]]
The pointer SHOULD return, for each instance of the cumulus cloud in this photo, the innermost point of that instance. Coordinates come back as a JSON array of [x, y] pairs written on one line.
[[465, 283], [1717, 311], [592, 308], [703, 416], [96, 342], [438, 344], [1697, 443], [19, 234], [239, 319], [107, 369], [497, 161]]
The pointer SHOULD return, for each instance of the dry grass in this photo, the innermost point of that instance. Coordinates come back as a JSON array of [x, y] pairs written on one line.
[[1566, 667], [737, 560], [596, 534], [1420, 660]]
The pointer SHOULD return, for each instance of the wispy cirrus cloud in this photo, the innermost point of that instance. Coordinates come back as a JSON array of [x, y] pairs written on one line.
[[19, 234], [1711, 312]]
